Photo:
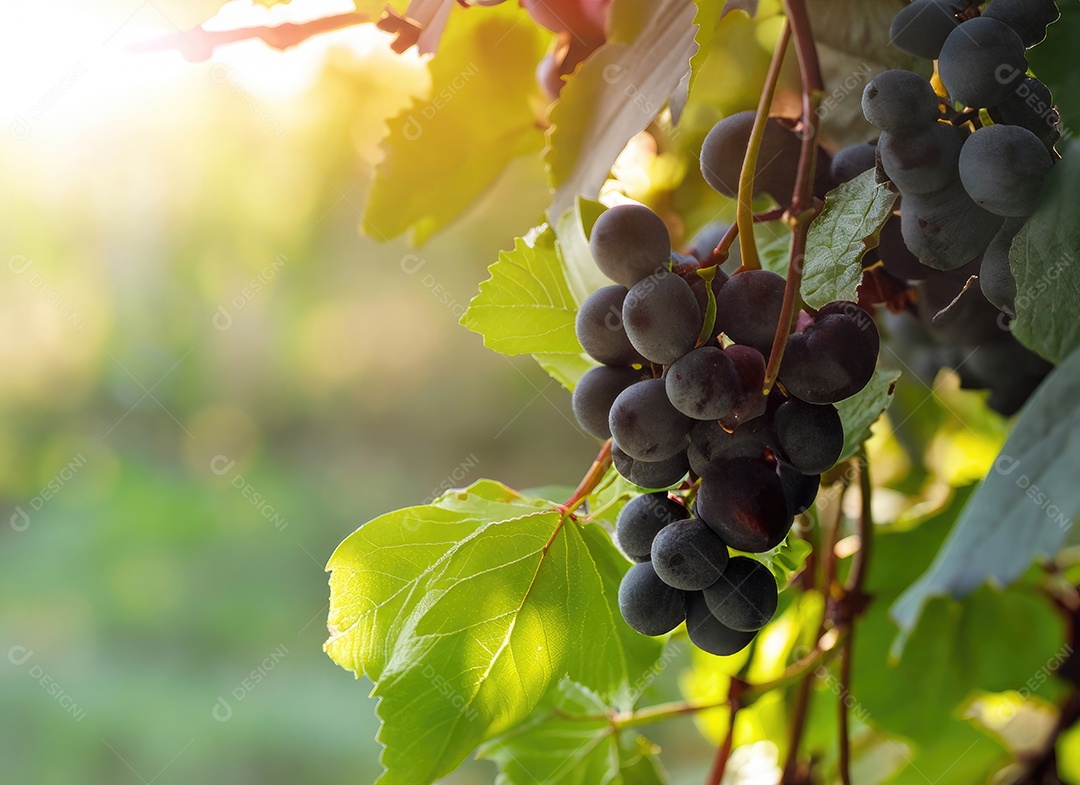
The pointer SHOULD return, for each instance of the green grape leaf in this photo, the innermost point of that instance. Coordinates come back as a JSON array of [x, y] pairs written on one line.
[[848, 226], [774, 240], [566, 369], [570, 742], [465, 611], [526, 306], [616, 93], [573, 230], [444, 152], [859, 412], [1024, 509], [960, 753], [914, 693], [1046, 265]]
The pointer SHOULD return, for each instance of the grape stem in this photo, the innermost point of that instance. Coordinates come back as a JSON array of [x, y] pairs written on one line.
[[802, 210], [590, 481], [723, 752], [744, 217], [720, 254]]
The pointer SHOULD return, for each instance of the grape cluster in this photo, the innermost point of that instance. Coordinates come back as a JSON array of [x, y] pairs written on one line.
[[680, 391], [965, 195]]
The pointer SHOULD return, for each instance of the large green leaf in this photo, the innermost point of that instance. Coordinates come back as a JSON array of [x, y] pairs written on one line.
[[526, 306], [848, 226], [447, 150], [465, 611], [1023, 510], [859, 412], [1045, 261], [616, 93], [564, 745], [949, 651]]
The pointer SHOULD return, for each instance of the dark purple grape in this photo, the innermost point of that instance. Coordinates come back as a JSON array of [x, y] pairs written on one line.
[[852, 161], [703, 384], [725, 146], [650, 474], [981, 62], [834, 357], [750, 366], [1004, 169], [642, 519], [1030, 106], [811, 437], [630, 242], [745, 597], [744, 503], [688, 555], [645, 425], [708, 633], [1029, 18], [922, 27], [662, 318], [895, 256], [946, 229], [924, 161], [748, 308], [995, 274], [711, 446], [596, 392], [900, 101], [600, 328], [648, 604], [800, 489]]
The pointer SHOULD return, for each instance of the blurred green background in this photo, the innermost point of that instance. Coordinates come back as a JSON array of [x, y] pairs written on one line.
[[210, 379]]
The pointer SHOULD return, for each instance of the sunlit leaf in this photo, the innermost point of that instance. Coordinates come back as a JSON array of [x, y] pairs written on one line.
[[859, 412], [447, 150], [464, 612]]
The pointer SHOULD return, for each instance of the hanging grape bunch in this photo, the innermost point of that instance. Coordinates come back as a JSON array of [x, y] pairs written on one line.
[[966, 189], [681, 391]]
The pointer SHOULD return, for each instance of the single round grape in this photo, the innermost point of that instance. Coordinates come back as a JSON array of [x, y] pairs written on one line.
[[1029, 18], [688, 555], [922, 27], [946, 229], [711, 446], [651, 475], [895, 256], [710, 634], [745, 505], [630, 242], [1004, 169], [600, 330], [852, 161], [648, 604], [596, 391], [750, 366], [981, 62], [745, 596], [662, 318], [645, 425], [800, 489], [995, 274], [811, 437], [642, 519], [748, 308], [924, 161], [900, 101], [703, 384], [1030, 106], [834, 357], [725, 146]]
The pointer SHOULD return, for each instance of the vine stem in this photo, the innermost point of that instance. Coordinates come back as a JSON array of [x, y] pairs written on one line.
[[744, 217], [590, 481], [802, 210], [720, 254], [723, 752], [742, 691]]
